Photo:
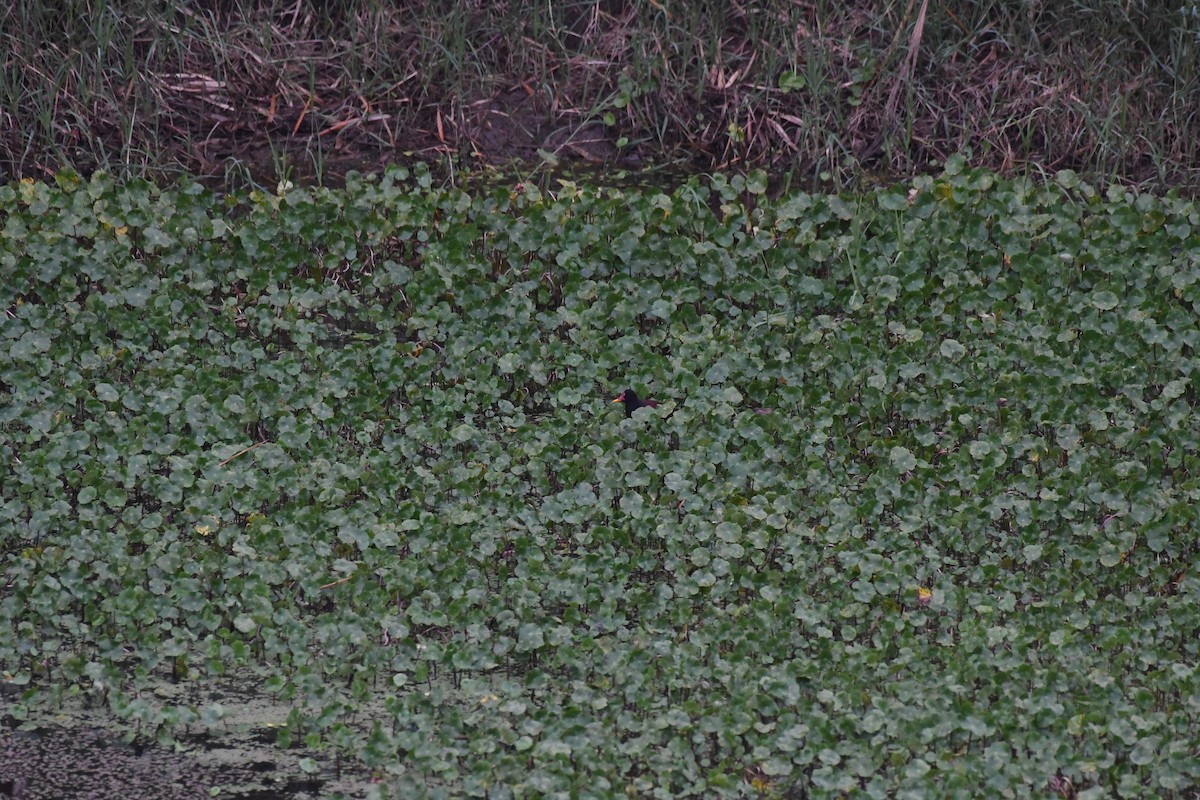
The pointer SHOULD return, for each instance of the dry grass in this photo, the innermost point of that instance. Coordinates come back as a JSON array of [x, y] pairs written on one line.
[[241, 92]]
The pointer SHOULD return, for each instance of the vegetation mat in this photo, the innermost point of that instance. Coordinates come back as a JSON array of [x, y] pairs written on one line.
[[915, 516]]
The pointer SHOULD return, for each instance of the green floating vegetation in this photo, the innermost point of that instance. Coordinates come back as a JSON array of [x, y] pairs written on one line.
[[916, 516]]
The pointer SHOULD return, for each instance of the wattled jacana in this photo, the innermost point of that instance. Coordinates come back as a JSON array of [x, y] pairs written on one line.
[[633, 402]]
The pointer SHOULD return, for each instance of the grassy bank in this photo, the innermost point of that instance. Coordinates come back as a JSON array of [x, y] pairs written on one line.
[[834, 92]]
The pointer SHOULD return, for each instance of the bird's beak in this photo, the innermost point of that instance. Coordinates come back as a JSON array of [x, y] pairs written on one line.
[[619, 398]]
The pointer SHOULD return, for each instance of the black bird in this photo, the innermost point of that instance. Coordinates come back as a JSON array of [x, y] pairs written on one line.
[[633, 402]]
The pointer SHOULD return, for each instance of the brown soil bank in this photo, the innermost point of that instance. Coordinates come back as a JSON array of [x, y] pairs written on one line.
[[236, 91]]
